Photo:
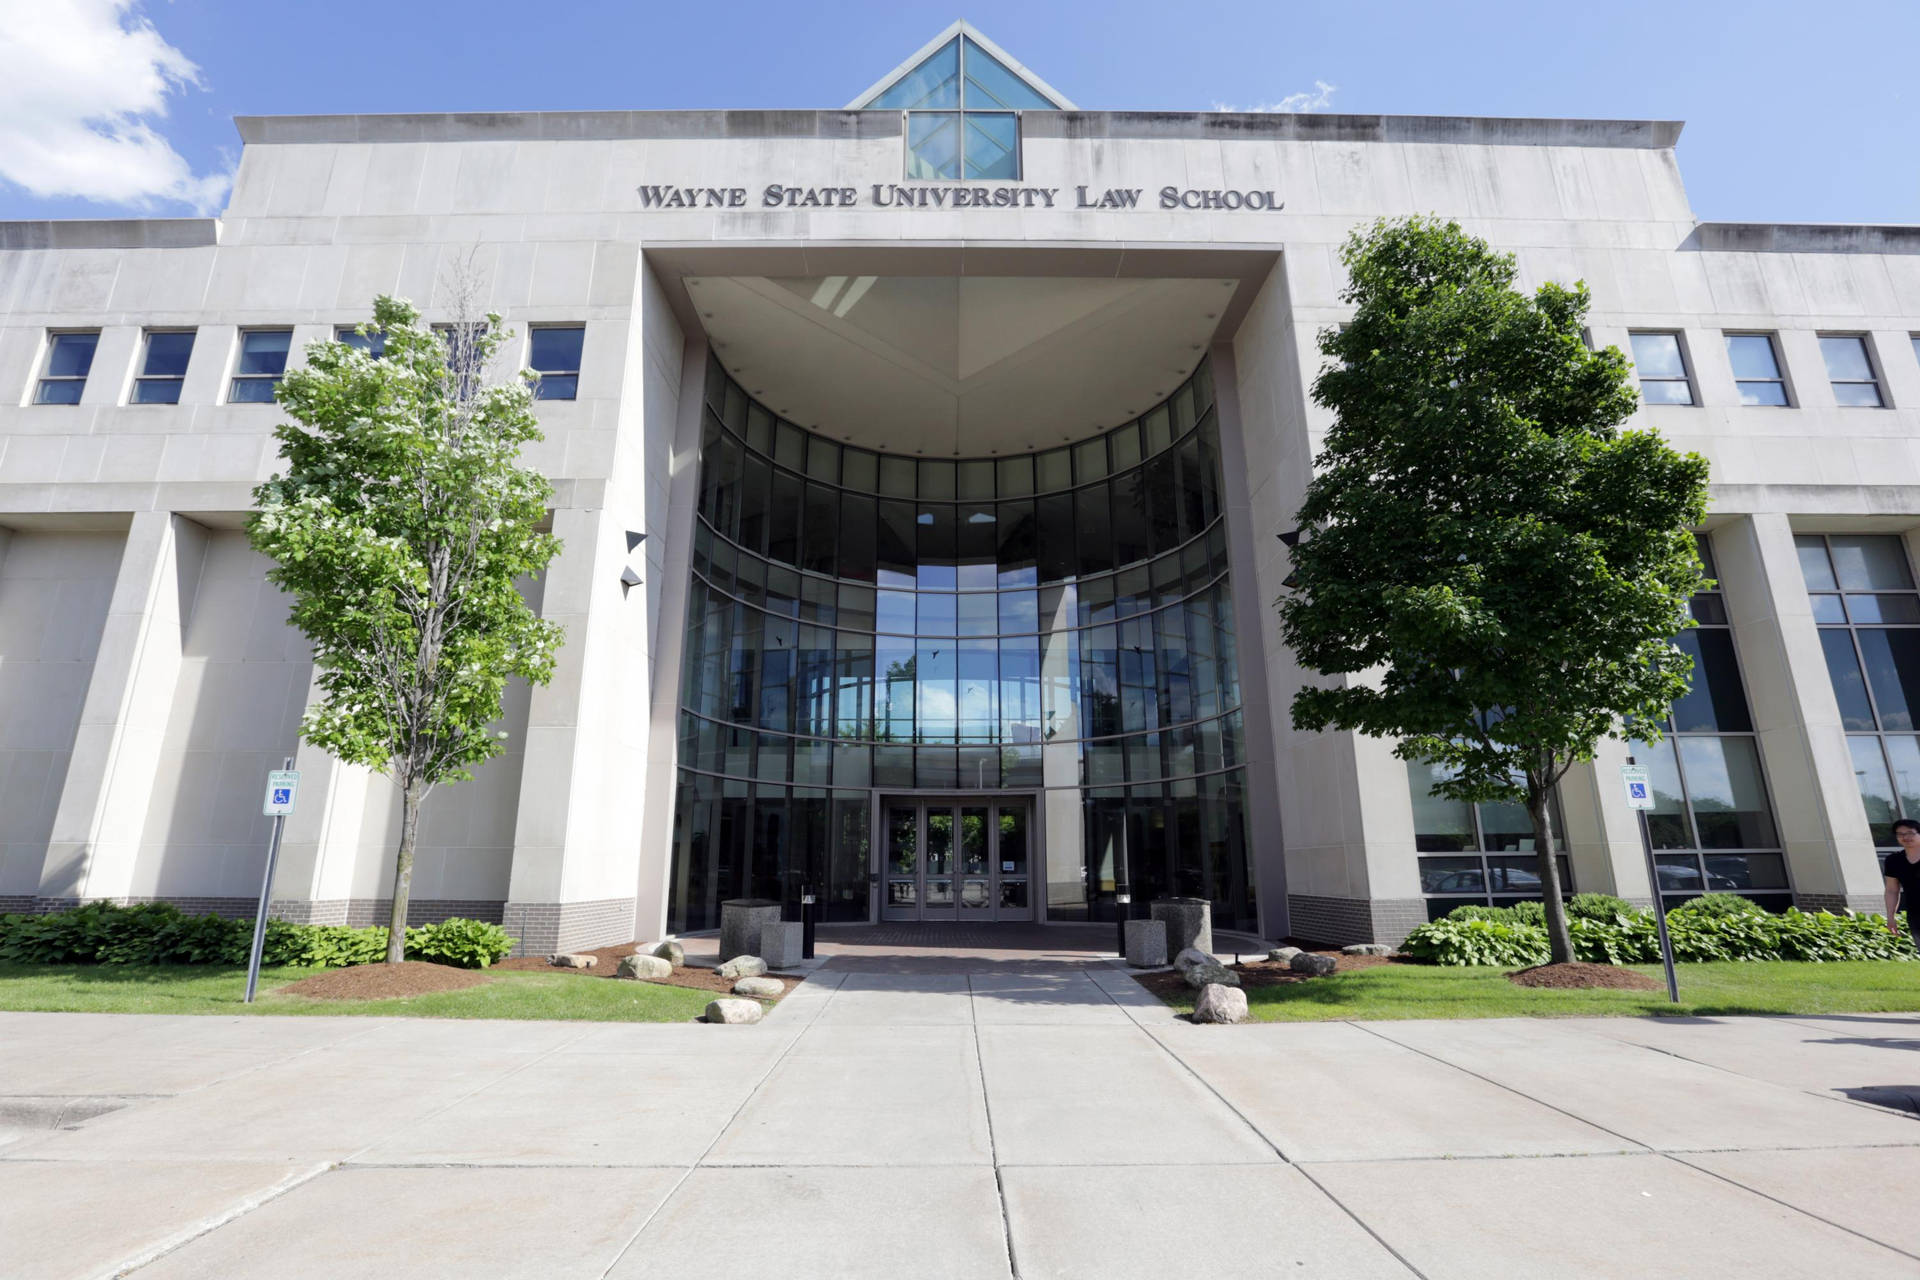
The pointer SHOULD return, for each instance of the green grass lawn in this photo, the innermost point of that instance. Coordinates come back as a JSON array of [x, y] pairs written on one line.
[[1433, 991], [213, 989]]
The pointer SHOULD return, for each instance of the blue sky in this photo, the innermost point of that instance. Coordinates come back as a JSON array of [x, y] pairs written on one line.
[[1795, 111]]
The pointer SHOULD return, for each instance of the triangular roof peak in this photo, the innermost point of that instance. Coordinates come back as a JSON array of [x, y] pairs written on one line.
[[932, 78]]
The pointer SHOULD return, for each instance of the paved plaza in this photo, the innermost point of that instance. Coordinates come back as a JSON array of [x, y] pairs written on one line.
[[1005, 1117]]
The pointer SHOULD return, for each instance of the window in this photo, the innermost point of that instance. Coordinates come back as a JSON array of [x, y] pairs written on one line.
[[1712, 826], [1663, 368], [1868, 611], [163, 366], [69, 358], [962, 106], [373, 342], [263, 358], [553, 351], [1756, 369], [1850, 368], [1487, 850]]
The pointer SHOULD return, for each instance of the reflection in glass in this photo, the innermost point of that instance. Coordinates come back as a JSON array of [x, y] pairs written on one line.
[[1876, 791], [1892, 659], [1667, 822], [1729, 798]]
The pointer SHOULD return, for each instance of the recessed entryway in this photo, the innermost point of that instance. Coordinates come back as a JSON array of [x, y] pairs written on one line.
[[965, 858]]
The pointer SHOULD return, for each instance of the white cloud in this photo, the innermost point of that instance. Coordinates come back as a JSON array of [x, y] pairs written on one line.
[[1319, 98], [81, 84]]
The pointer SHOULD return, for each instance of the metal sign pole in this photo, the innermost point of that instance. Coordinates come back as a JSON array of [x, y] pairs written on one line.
[[279, 803], [1659, 912], [1639, 785]]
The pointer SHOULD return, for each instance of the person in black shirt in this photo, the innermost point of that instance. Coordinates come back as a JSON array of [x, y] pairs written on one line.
[[1902, 869]]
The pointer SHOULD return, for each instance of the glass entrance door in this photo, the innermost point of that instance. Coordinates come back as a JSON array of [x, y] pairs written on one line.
[[961, 859]]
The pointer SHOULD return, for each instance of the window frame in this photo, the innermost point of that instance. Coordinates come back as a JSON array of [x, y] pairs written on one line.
[[46, 378], [540, 385], [960, 111], [142, 378], [1787, 398], [1876, 376], [1879, 733], [1671, 738], [1686, 379], [236, 378]]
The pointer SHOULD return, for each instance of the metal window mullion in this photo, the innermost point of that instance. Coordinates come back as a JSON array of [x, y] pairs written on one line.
[[1686, 801]]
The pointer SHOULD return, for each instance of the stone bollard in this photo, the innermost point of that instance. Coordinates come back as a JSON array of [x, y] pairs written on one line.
[[741, 920], [779, 945], [1189, 922], [1146, 943]]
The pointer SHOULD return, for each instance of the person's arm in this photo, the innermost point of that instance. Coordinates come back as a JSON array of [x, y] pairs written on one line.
[[1893, 905]]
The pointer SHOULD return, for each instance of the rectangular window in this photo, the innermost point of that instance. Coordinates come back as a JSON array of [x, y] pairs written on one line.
[[1850, 368], [373, 342], [1756, 369], [163, 366], [553, 351], [69, 359], [1663, 368], [1868, 610], [263, 358]]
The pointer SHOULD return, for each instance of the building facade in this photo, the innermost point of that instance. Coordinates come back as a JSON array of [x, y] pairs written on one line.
[[919, 467]]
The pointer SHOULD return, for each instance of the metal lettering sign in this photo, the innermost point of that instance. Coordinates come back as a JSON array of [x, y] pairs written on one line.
[[282, 786], [1639, 785]]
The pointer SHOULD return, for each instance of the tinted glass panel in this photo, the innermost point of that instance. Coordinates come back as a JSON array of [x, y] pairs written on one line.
[[991, 84], [1657, 355], [263, 351], [1846, 359], [70, 355], [934, 83], [1870, 562], [556, 349], [1715, 702], [1729, 798], [1752, 356], [933, 145], [993, 146], [1892, 660], [167, 354], [1849, 688]]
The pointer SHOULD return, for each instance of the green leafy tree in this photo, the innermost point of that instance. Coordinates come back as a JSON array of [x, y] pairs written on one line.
[[1493, 566], [400, 529]]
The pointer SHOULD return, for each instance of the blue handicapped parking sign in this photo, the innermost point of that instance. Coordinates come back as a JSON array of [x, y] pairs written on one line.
[[1638, 790], [283, 795]]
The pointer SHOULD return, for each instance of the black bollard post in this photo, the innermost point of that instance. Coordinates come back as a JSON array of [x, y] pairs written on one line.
[[806, 922]]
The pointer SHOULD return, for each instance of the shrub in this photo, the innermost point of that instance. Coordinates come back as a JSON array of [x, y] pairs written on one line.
[[160, 933], [1721, 904], [1607, 930], [468, 944], [1602, 906], [1518, 913], [1454, 941]]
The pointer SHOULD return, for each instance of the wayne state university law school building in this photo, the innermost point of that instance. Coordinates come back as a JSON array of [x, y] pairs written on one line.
[[959, 424]]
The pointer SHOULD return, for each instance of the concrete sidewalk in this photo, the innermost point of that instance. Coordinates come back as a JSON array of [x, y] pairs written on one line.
[[1043, 1121]]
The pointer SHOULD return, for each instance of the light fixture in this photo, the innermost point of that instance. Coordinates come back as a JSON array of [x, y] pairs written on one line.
[[629, 578]]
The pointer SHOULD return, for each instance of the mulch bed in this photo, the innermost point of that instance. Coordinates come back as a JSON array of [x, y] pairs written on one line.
[[1583, 976], [385, 981], [695, 977], [1260, 973]]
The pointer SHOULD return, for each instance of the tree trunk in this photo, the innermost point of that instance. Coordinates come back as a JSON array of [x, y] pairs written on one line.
[[410, 796], [1559, 939]]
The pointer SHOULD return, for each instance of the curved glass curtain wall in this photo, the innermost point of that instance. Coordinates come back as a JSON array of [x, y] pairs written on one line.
[[1057, 623]]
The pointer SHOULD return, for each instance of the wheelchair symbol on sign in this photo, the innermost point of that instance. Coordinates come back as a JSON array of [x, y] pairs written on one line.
[[283, 795], [1637, 790]]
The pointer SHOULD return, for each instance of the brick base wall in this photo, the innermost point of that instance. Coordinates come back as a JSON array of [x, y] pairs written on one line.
[[16, 903], [358, 912], [546, 927], [1339, 921], [1858, 903]]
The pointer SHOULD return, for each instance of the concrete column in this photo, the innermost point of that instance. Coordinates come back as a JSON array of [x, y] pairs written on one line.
[[1803, 748], [673, 571], [320, 848], [1603, 835], [582, 802], [109, 783]]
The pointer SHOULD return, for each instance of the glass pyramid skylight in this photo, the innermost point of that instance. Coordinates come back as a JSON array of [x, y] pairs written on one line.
[[961, 101]]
